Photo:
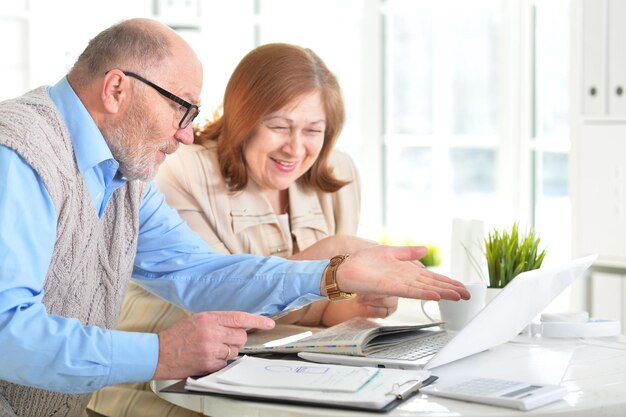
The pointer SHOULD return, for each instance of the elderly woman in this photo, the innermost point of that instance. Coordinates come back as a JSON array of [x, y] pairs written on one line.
[[263, 178]]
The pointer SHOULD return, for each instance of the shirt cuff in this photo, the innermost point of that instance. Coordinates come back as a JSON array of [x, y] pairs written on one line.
[[306, 290], [316, 283], [134, 356]]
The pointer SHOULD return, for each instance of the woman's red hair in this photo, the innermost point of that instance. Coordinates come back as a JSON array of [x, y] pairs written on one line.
[[266, 80]]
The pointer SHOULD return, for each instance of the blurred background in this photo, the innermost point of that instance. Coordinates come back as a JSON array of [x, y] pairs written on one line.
[[456, 109]]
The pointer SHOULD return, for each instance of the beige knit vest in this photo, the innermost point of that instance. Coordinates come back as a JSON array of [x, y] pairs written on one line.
[[92, 259]]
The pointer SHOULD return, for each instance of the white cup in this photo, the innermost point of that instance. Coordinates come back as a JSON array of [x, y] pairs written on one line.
[[456, 314]]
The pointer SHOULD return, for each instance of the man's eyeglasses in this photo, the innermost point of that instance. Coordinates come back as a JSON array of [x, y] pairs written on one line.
[[191, 109]]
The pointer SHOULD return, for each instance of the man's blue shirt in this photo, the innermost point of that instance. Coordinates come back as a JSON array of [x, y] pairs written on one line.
[[60, 353]]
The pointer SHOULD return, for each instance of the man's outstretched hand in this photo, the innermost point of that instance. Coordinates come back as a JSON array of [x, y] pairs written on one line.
[[390, 270]]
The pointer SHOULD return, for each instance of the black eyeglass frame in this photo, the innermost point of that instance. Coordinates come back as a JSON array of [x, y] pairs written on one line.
[[192, 110]]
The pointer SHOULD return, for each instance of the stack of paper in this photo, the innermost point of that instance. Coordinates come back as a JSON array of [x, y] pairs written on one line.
[[266, 373], [291, 380]]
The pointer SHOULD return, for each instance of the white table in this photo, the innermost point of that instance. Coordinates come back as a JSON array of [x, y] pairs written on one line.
[[595, 379]]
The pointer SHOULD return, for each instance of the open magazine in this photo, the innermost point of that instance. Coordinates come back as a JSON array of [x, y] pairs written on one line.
[[357, 337]]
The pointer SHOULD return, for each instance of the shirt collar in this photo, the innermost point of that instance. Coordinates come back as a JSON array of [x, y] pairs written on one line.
[[90, 148]]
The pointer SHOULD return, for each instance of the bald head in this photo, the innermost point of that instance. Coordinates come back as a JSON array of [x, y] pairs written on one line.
[[127, 79], [142, 45]]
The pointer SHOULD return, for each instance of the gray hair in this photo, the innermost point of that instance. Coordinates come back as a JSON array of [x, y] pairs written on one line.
[[134, 45]]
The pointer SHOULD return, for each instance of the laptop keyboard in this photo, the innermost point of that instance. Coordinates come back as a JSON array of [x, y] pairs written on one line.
[[414, 349]]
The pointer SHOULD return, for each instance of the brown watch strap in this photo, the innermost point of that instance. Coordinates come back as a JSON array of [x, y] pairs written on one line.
[[330, 280]]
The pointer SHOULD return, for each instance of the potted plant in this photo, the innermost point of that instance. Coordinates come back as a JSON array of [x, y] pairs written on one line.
[[509, 253]]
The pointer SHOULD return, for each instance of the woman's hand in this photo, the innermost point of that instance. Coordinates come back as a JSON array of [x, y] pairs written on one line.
[[363, 305]]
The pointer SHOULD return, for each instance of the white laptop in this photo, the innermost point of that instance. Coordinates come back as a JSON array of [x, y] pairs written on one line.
[[498, 322]]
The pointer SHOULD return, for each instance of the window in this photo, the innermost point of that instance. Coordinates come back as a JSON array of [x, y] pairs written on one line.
[[476, 118], [444, 87]]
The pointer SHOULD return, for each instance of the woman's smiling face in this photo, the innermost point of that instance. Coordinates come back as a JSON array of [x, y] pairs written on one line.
[[286, 143]]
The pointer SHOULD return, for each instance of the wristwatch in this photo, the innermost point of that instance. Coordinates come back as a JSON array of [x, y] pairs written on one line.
[[330, 280]]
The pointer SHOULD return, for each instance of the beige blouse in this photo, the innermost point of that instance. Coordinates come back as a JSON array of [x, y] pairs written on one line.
[[242, 222]]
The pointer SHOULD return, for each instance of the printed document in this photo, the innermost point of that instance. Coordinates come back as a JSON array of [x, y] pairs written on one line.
[[255, 372], [384, 386]]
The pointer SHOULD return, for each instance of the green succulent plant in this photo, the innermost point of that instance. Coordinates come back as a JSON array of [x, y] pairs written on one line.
[[509, 253]]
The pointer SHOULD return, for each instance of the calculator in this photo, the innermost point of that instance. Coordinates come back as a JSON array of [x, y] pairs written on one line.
[[498, 392]]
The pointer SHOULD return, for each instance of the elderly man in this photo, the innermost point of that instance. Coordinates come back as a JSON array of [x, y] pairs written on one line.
[[79, 217]]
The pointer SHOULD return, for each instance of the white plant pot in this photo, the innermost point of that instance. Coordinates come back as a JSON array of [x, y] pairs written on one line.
[[491, 293]]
